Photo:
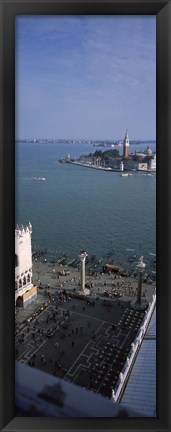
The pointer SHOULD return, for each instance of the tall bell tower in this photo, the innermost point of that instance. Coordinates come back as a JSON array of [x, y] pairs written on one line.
[[126, 145]]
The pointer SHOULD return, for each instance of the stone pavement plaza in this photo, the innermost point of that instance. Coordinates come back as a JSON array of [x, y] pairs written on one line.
[[88, 343], [88, 339]]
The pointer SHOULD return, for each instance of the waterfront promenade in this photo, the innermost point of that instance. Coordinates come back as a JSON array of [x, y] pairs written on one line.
[[110, 169], [45, 273]]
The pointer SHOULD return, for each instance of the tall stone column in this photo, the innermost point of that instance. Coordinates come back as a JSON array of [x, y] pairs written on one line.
[[139, 287], [139, 304], [82, 256]]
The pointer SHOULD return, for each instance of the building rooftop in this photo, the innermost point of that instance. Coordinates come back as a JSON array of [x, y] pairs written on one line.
[[41, 394], [140, 392]]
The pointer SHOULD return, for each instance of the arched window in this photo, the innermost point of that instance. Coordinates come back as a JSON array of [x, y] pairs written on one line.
[[19, 302], [28, 278], [24, 280], [16, 286], [20, 283]]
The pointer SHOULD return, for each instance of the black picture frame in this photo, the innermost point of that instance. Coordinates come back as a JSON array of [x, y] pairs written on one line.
[[8, 10]]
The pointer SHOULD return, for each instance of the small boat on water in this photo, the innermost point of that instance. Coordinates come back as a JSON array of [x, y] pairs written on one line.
[[133, 257], [92, 259], [153, 255], [74, 264], [141, 263], [39, 178], [109, 254], [61, 260], [70, 262], [124, 175], [98, 262]]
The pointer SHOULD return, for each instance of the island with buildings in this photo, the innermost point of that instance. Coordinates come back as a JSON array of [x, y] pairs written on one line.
[[111, 160]]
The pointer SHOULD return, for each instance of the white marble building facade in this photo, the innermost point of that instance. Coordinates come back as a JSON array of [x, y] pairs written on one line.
[[23, 263]]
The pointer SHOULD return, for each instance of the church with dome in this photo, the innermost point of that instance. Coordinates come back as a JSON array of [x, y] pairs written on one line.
[[139, 161]]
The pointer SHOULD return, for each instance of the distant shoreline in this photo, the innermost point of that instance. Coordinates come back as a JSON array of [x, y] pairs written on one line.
[[72, 141]]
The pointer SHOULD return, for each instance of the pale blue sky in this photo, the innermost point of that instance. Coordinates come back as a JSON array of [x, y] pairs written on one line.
[[88, 77]]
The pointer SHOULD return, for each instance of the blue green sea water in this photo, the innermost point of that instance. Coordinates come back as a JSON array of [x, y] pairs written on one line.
[[79, 208]]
